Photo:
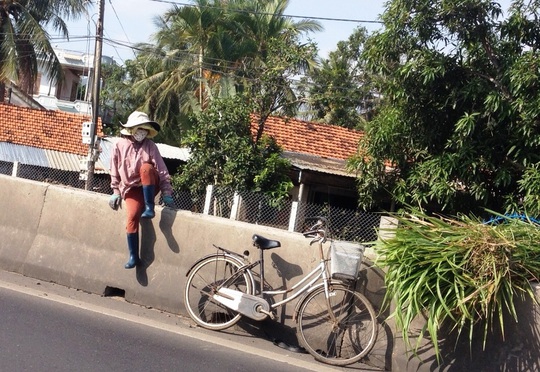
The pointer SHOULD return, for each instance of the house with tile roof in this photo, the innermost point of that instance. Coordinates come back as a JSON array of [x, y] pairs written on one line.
[[45, 145], [52, 140], [48, 145], [318, 153]]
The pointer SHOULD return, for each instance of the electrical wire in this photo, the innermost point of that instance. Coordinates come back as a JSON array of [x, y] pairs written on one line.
[[208, 66], [263, 13], [122, 27], [226, 66], [133, 48]]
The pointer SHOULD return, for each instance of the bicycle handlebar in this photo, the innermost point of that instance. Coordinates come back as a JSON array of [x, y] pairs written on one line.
[[318, 231]]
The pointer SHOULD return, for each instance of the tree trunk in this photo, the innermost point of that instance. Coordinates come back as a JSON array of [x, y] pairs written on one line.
[[2, 91]]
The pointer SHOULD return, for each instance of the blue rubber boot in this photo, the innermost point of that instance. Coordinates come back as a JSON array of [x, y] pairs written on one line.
[[133, 247], [149, 204]]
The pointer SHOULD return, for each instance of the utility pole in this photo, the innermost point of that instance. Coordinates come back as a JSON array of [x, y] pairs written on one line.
[[93, 150]]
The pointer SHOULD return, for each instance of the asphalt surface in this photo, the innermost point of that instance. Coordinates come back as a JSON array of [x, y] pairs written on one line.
[[45, 326]]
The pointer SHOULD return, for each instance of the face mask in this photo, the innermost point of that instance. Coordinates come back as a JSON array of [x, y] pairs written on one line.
[[140, 134]]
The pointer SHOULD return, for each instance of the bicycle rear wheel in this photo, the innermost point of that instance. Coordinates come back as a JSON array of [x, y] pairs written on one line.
[[342, 341], [202, 283]]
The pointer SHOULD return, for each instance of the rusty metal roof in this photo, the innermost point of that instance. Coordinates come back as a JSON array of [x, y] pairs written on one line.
[[318, 164]]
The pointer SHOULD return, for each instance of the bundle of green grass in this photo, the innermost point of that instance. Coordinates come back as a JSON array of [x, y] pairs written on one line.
[[461, 272]]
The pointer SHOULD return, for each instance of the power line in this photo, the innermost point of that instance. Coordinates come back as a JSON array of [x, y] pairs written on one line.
[[209, 65], [121, 26], [130, 45], [263, 13]]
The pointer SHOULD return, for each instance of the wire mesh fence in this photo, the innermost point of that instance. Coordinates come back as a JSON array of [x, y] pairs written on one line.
[[258, 208], [250, 207], [6, 167], [101, 182], [345, 224]]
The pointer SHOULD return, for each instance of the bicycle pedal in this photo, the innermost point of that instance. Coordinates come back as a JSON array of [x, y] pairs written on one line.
[[269, 313]]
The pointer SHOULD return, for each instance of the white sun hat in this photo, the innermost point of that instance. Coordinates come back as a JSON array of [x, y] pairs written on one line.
[[137, 120]]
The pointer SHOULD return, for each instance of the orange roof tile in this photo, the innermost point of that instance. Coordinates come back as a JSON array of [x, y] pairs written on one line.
[[51, 130], [61, 131], [324, 140]]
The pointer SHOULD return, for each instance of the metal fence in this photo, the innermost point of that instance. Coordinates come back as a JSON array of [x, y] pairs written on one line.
[[250, 207]]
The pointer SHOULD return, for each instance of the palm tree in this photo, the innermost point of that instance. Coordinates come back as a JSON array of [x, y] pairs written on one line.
[[276, 55], [260, 21], [213, 48], [173, 81], [24, 42]]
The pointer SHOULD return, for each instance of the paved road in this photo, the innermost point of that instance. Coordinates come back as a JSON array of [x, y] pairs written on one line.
[[46, 327]]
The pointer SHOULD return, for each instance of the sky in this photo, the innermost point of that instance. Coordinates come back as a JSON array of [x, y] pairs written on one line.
[[131, 21]]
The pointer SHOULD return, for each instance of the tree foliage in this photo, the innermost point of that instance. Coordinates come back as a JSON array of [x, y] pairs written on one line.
[[269, 82], [116, 96], [459, 126], [24, 42], [224, 153], [216, 49], [341, 91]]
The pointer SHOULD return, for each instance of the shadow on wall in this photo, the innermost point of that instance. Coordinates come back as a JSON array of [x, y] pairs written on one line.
[[165, 225], [517, 351], [286, 271], [371, 284], [282, 331], [148, 242]]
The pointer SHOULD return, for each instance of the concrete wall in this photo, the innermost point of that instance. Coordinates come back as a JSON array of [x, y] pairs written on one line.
[[72, 237]]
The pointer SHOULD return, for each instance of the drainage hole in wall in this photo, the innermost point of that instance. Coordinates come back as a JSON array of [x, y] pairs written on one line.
[[114, 292]]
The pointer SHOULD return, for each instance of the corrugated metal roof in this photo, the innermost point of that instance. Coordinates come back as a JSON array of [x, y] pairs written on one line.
[[318, 164], [29, 155], [172, 152], [71, 162], [166, 151], [62, 160], [45, 158], [23, 154]]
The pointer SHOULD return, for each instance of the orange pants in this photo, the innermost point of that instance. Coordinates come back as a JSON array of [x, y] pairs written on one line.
[[134, 201]]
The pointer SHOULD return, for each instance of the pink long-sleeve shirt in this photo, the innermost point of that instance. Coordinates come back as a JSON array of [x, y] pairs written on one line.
[[126, 160]]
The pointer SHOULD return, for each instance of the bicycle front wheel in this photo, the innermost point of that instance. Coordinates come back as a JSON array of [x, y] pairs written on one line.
[[337, 329], [203, 282]]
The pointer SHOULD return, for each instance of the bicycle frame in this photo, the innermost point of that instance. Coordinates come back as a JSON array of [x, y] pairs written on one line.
[[302, 287], [311, 278], [334, 323]]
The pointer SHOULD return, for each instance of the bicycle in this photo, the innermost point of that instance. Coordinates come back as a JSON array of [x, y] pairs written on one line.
[[334, 323]]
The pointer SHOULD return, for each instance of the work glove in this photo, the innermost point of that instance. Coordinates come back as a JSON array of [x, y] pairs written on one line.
[[168, 201], [114, 201]]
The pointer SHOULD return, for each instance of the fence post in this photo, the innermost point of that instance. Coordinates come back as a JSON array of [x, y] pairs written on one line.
[[208, 199], [293, 216], [387, 227], [235, 206], [15, 169]]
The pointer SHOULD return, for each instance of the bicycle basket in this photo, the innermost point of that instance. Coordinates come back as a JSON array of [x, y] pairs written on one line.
[[345, 259]]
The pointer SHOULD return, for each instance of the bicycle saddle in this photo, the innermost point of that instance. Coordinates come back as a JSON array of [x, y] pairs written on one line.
[[263, 243]]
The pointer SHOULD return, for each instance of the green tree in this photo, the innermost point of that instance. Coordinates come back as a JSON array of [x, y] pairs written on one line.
[[224, 153], [459, 126], [25, 43], [210, 50], [174, 74], [116, 97], [271, 81], [274, 57], [341, 91]]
